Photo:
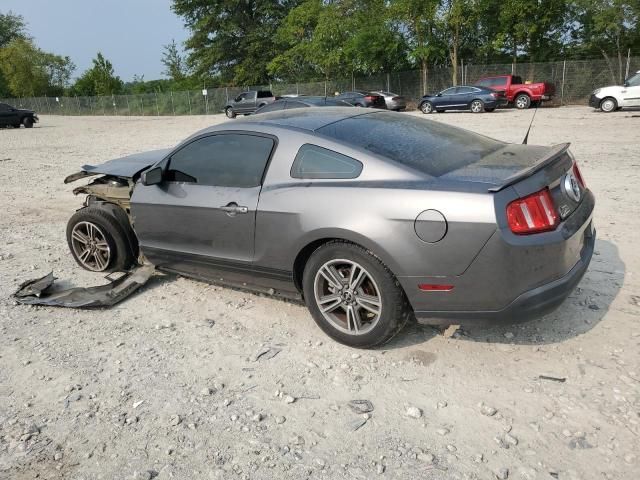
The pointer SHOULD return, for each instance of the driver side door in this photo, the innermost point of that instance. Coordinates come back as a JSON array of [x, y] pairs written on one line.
[[201, 217]]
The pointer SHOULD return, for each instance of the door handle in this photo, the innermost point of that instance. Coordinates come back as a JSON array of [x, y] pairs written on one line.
[[233, 209]]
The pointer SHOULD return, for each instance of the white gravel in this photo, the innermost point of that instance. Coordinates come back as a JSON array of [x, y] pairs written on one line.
[[165, 384]]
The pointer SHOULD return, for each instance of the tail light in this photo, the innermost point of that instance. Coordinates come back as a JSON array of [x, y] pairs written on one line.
[[494, 95], [371, 98], [533, 214], [395, 99]]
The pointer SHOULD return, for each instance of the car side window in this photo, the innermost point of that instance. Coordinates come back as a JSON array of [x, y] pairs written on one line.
[[224, 160], [449, 91], [499, 82], [317, 162], [4, 107], [634, 81], [466, 90], [484, 83]]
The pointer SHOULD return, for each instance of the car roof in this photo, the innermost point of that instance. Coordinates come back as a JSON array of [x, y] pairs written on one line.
[[310, 119]]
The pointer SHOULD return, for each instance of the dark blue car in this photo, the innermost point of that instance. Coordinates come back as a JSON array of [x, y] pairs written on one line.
[[463, 97]]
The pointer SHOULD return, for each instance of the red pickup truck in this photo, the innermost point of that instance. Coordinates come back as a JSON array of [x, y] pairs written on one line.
[[522, 95]]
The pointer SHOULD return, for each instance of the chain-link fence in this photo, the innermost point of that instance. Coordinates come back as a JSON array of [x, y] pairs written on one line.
[[574, 81]]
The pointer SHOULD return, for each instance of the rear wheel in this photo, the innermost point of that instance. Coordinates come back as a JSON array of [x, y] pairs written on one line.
[[28, 122], [426, 107], [98, 241], [477, 106], [523, 101], [229, 112], [608, 105], [352, 295]]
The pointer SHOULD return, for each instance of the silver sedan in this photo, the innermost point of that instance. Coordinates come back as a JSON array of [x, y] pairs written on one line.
[[393, 101], [368, 216]]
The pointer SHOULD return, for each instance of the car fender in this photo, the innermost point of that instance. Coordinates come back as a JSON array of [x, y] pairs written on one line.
[[319, 235], [612, 91]]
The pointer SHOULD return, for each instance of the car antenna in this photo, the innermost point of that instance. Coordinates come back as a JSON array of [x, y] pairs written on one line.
[[526, 137]]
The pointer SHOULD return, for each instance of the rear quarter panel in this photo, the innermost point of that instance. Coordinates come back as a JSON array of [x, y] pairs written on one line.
[[376, 214]]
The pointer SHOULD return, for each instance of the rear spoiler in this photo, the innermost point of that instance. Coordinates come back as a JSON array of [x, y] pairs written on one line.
[[554, 153]]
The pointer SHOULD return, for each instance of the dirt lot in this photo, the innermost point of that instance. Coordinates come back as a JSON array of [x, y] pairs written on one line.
[[168, 383]]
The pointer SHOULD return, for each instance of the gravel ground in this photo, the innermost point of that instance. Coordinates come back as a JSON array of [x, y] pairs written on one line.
[[172, 384]]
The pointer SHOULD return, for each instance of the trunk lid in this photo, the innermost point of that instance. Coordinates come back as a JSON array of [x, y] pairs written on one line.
[[511, 164]]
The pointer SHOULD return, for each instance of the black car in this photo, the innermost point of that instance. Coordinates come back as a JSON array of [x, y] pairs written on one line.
[[360, 98], [463, 97], [14, 117], [302, 102]]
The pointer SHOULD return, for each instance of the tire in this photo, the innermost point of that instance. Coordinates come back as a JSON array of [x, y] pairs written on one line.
[[426, 107], [522, 101], [477, 106], [28, 122], [229, 112], [358, 105], [489, 110], [608, 105], [110, 249], [364, 328]]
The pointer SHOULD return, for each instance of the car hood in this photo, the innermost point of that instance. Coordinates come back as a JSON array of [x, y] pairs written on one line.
[[125, 167]]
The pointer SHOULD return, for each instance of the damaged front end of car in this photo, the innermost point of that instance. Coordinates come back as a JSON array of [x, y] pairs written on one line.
[[101, 237]]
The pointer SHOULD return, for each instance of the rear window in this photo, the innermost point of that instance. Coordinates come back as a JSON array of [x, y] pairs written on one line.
[[427, 146]]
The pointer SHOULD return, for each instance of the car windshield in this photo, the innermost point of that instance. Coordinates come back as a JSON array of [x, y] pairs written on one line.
[[634, 81], [424, 145]]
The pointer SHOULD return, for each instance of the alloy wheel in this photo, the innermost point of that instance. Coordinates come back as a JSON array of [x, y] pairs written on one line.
[[426, 107], [476, 106], [90, 246], [347, 296]]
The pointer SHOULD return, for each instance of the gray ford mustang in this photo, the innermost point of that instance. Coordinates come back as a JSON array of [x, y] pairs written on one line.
[[368, 216]]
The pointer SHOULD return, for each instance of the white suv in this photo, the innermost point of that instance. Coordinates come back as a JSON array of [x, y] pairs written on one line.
[[612, 98]]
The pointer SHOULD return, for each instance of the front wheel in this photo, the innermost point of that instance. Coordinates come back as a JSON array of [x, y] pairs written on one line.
[[426, 107], [523, 101], [98, 241], [229, 112], [352, 295], [28, 122], [477, 106], [608, 105]]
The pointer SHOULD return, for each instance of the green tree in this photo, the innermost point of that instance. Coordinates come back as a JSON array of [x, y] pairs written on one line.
[[12, 26], [230, 39], [99, 79], [609, 28], [28, 71], [173, 62], [418, 19]]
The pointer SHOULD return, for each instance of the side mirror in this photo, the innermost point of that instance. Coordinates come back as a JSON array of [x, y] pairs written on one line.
[[152, 176]]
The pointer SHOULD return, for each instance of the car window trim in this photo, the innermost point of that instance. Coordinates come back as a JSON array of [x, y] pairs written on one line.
[[167, 160]]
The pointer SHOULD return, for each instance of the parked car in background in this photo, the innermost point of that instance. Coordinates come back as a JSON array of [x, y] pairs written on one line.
[[302, 102], [616, 97], [248, 102], [14, 117], [360, 98], [522, 95], [463, 97], [369, 216], [393, 101]]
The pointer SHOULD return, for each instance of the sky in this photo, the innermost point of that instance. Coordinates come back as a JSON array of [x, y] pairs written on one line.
[[130, 33]]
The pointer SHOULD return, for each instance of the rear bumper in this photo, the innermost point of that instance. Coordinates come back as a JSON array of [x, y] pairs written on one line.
[[594, 101], [531, 304]]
